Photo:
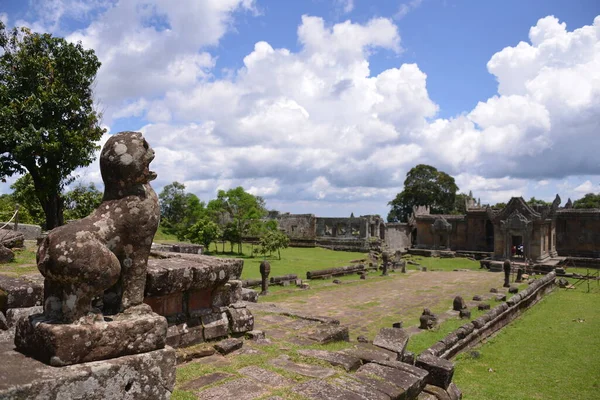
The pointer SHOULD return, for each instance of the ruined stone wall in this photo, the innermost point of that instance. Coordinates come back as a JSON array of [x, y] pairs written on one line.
[[31, 232], [578, 232], [341, 227], [480, 328], [298, 226], [397, 236]]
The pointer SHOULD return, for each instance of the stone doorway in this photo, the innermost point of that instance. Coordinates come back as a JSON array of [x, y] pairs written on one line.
[[518, 245]]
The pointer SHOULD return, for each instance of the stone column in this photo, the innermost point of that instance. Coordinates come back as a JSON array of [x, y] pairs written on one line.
[[265, 270], [506, 267]]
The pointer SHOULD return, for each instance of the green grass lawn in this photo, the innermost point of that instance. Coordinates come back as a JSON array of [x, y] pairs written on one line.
[[443, 264], [294, 260], [551, 352]]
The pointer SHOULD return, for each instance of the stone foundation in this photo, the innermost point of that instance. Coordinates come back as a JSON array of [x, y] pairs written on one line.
[[147, 376], [137, 330], [475, 331]]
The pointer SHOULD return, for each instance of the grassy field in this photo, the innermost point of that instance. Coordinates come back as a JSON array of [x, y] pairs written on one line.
[[551, 352], [294, 260], [444, 264]]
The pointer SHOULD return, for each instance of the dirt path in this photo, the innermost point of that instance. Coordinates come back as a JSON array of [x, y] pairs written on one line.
[[367, 307]]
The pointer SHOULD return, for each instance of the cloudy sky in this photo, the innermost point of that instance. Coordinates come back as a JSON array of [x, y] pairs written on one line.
[[322, 106]]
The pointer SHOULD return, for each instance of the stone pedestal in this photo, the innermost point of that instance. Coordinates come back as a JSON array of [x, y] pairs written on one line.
[[137, 330], [146, 376]]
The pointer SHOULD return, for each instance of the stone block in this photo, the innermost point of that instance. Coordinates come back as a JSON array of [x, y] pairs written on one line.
[[167, 305], [365, 391], [167, 276], [137, 330], [330, 333], [408, 357], [369, 353], [242, 389], [240, 320], [477, 298], [6, 254], [228, 345], [393, 339], [190, 335], [380, 385], [3, 322], [249, 295], [236, 291], [215, 325], [11, 239], [312, 371], [193, 352], [321, 390], [440, 370], [205, 380], [173, 336], [266, 377], [199, 299], [483, 306], [346, 361], [408, 382], [500, 297], [454, 392], [147, 376], [255, 335], [437, 392], [221, 296], [465, 314], [21, 292], [513, 289], [14, 315]]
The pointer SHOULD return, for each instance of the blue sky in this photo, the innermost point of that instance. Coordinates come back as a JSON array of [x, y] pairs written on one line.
[[323, 106]]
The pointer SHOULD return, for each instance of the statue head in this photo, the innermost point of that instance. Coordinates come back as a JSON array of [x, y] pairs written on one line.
[[125, 161]]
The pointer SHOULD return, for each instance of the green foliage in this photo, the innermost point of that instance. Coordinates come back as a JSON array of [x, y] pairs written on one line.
[[273, 240], [533, 202], [460, 203], [424, 186], [48, 126], [548, 353], [590, 200], [24, 194], [179, 210], [499, 206], [235, 210], [203, 232], [82, 201]]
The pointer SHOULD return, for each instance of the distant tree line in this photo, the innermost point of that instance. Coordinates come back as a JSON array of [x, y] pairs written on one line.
[[232, 216]]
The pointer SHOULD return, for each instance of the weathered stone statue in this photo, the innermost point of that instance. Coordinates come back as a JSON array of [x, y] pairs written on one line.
[[458, 303], [265, 270], [427, 319], [519, 275], [103, 256], [385, 262], [506, 267]]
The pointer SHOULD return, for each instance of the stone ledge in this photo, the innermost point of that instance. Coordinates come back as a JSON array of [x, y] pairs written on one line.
[[147, 376], [139, 331]]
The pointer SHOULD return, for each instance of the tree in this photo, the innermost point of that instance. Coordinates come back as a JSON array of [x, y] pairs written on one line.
[[81, 201], [203, 232], [533, 202], [24, 195], [424, 186], [236, 209], [590, 200], [48, 125], [179, 210], [273, 240]]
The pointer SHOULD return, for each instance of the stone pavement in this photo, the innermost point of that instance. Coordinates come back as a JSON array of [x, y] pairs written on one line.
[[287, 364]]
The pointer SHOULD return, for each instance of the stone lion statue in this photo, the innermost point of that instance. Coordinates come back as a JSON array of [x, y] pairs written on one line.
[[105, 254]]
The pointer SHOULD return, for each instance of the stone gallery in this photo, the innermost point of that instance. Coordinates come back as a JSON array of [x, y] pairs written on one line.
[[533, 233]]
